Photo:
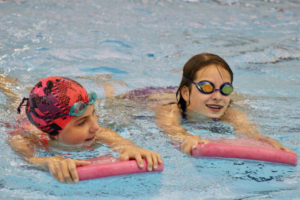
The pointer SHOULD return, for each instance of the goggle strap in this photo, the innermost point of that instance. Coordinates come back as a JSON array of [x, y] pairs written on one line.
[[188, 79], [21, 104]]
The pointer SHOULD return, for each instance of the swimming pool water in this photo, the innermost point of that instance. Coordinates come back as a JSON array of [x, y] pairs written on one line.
[[140, 43]]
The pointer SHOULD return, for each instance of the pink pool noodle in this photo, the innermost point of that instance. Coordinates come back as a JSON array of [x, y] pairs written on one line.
[[99, 170], [231, 150]]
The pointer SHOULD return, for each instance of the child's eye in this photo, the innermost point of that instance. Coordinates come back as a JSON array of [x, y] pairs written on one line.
[[81, 123]]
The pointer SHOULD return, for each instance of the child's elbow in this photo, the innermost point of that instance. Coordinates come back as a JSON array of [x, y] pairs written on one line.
[[21, 146]]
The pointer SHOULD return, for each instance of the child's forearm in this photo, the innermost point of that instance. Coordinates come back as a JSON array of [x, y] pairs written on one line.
[[113, 140], [238, 119], [24, 147], [175, 132], [168, 119], [40, 161], [127, 149]]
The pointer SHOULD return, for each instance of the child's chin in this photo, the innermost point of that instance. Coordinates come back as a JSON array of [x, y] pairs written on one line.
[[88, 143], [215, 115]]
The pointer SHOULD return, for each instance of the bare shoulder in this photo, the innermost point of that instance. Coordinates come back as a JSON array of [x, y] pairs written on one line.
[[24, 130], [167, 108], [169, 114], [24, 144], [233, 114]]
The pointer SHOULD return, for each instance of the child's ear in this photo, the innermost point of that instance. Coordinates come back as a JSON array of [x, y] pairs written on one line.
[[185, 93]]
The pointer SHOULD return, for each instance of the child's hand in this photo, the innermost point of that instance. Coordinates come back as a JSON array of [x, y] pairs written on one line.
[[274, 143], [190, 142], [133, 152], [63, 169]]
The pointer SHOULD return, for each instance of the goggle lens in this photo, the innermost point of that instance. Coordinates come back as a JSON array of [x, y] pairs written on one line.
[[79, 108], [206, 87], [227, 89]]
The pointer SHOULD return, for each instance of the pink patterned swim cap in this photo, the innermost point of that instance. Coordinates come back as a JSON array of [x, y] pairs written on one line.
[[50, 101]]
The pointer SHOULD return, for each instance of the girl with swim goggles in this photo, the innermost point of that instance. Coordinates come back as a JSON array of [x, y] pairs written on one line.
[[62, 109], [205, 93]]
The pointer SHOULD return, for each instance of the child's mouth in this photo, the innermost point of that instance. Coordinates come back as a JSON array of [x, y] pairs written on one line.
[[214, 107], [89, 139]]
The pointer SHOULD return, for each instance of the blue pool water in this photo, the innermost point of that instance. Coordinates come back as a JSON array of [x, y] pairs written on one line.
[[140, 43]]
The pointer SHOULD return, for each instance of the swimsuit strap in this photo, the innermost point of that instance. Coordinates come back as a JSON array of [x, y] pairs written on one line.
[[215, 119], [170, 103], [183, 113]]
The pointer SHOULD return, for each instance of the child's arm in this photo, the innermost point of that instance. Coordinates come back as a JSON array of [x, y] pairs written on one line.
[[5, 88], [127, 149], [168, 119], [238, 119], [62, 169]]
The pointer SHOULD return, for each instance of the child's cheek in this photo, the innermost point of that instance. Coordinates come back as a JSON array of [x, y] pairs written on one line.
[[74, 138]]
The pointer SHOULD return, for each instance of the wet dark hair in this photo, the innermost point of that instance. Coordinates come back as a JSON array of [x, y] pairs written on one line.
[[190, 69]]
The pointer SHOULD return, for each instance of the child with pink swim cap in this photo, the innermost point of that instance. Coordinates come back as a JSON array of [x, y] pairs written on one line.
[[62, 108]]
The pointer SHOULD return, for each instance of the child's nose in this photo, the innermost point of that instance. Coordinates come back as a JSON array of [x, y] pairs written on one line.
[[216, 94], [94, 125]]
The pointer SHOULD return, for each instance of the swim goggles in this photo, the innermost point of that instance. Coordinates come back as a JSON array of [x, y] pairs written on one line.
[[76, 110], [80, 107], [207, 87]]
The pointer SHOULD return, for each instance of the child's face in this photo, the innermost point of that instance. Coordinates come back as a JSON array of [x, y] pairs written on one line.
[[211, 105], [80, 130]]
